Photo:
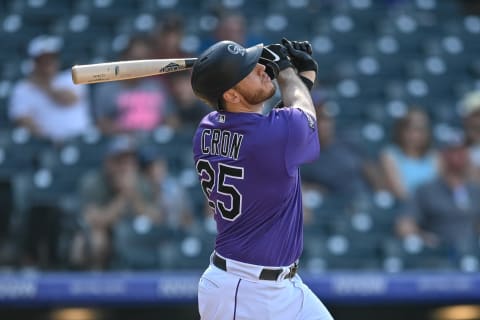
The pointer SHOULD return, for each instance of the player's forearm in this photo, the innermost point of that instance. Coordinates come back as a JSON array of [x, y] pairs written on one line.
[[294, 92], [310, 75]]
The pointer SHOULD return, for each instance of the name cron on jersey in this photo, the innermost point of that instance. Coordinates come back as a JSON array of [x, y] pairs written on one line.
[[222, 142]]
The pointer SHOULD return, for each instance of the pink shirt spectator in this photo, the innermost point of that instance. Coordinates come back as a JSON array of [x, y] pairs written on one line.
[[137, 106]]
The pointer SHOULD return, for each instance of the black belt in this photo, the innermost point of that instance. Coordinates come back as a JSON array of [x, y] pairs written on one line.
[[266, 274]]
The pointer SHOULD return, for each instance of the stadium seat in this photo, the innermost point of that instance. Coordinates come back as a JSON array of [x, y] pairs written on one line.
[[347, 252], [49, 187], [330, 211], [174, 146], [86, 151], [21, 152], [8, 205], [138, 245], [12, 69], [194, 251], [415, 255], [109, 10], [40, 11]]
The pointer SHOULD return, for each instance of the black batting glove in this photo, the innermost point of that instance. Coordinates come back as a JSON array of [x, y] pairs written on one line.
[[300, 53], [281, 52]]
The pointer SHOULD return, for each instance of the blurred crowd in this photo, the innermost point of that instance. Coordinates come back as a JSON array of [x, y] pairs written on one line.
[[133, 205]]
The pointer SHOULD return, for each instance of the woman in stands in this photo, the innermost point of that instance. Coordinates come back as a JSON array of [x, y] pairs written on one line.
[[409, 161]]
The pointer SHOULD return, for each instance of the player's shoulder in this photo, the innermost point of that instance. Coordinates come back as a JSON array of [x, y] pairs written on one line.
[[208, 119], [205, 123], [223, 119]]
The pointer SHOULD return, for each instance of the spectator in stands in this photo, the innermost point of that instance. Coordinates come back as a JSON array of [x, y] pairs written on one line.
[[445, 211], [470, 110], [188, 110], [135, 105], [343, 169], [409, 160], [47, 102], [231, 26], [167, 38], [110, 199], [169, 195]]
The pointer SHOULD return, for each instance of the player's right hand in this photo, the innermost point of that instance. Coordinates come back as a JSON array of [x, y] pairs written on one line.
[[300, 53], [279, 50]]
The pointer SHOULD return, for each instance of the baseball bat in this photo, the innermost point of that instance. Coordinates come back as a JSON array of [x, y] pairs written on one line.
[[122, 70]]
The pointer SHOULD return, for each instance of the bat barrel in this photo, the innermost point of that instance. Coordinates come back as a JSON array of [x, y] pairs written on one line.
[[122, 70]]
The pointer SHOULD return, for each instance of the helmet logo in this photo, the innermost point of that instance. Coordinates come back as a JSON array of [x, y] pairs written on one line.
[[270, 55], [234, 49]]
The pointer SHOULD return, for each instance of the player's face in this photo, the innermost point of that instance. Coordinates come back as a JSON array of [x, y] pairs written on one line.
[[257, 86]]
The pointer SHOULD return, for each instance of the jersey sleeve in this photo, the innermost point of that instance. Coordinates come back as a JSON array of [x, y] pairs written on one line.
[[302, 139]]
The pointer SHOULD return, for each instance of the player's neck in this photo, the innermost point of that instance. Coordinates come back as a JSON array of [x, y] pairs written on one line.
[[238, 107]]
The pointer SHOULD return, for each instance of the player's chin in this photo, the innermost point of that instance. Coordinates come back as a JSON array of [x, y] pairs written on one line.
[[268, 84], [271, 90]]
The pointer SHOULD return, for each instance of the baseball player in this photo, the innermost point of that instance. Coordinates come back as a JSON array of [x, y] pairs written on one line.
[[248, 166]]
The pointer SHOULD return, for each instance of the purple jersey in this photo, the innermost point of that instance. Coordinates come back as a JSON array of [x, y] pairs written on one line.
[[248, 169]]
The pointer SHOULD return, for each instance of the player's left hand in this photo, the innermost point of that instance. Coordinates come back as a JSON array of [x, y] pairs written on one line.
[[300, 53], [282, 56]]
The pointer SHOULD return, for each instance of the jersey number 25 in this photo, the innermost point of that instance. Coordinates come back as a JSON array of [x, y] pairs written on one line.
[[210, 179]]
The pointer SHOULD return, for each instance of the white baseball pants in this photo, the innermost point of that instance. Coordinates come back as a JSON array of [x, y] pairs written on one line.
[[238, 294]]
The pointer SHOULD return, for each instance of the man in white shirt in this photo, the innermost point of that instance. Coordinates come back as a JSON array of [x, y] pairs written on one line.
[[47, 102]]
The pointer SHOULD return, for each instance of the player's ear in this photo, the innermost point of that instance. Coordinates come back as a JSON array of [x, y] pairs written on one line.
[[231, 96]]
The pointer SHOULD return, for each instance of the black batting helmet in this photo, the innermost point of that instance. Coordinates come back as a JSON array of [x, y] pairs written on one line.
[[221, 67]]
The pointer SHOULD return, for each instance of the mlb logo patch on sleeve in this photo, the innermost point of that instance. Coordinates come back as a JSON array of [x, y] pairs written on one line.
[[221, 118]]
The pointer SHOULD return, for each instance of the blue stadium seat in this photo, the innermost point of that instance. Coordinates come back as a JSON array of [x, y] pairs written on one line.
[[40, 11], [137, 247], [21, 152], [194, 251], [8, 205], [50, 187], [351, 253], [174, 146], [414, 255], [88, 151]]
